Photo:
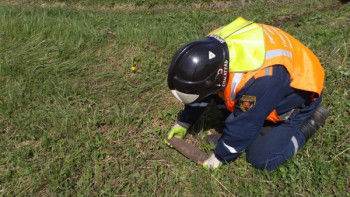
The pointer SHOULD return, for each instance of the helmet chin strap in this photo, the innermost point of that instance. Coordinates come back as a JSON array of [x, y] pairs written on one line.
[[183, 97]]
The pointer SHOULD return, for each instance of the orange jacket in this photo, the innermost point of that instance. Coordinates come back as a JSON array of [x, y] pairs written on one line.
[[306, 72]]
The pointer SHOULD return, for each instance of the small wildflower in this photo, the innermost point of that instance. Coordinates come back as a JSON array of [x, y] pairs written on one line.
[[222, 10], [149, 12], [133, 67]]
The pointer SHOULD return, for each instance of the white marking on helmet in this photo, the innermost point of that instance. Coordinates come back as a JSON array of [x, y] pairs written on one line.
[[211, 55]]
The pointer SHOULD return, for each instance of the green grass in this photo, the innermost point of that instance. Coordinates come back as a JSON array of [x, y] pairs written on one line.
[[75, 120]]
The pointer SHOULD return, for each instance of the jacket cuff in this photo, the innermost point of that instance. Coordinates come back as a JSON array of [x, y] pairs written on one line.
[[184, 124], [223, 154]]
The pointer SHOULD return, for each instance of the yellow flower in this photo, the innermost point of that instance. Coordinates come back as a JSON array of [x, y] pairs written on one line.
[[149, 12], [133, 68]]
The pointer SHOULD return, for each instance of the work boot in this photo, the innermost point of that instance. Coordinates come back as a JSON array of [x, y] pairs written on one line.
[[316, 120]]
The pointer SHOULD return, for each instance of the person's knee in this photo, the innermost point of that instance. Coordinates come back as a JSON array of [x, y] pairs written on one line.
[[263, 164], [265, 160], [259, 160]]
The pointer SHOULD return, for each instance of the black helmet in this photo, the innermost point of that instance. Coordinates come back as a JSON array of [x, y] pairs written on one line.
[[198, 69]]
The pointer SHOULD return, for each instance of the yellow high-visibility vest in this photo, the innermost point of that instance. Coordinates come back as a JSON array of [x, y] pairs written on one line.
[[245, 41]]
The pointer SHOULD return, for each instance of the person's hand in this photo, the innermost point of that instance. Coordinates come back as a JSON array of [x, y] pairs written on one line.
[[212, 162], [177, 131]]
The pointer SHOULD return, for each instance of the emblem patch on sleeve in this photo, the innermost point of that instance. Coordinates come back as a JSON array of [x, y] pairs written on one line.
[[246, 102]]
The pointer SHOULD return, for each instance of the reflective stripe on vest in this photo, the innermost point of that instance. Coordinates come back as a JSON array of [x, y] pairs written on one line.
[[277, 52], [235, 81]]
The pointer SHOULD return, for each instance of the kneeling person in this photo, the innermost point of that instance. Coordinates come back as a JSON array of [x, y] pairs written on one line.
[[271, 86]]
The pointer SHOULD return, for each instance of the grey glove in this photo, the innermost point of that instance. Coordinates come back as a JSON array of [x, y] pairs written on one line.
[[212, 162]]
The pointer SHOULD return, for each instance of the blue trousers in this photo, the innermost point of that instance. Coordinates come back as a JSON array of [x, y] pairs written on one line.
[[281, 142]]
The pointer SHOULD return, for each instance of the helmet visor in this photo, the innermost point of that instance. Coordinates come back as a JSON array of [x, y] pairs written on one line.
[[183, 97]]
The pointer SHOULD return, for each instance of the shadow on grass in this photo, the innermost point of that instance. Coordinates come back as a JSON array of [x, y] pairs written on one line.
[[213, 118]]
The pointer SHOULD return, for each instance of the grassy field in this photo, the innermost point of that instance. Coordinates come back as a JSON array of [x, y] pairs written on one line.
[[76, 120]]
